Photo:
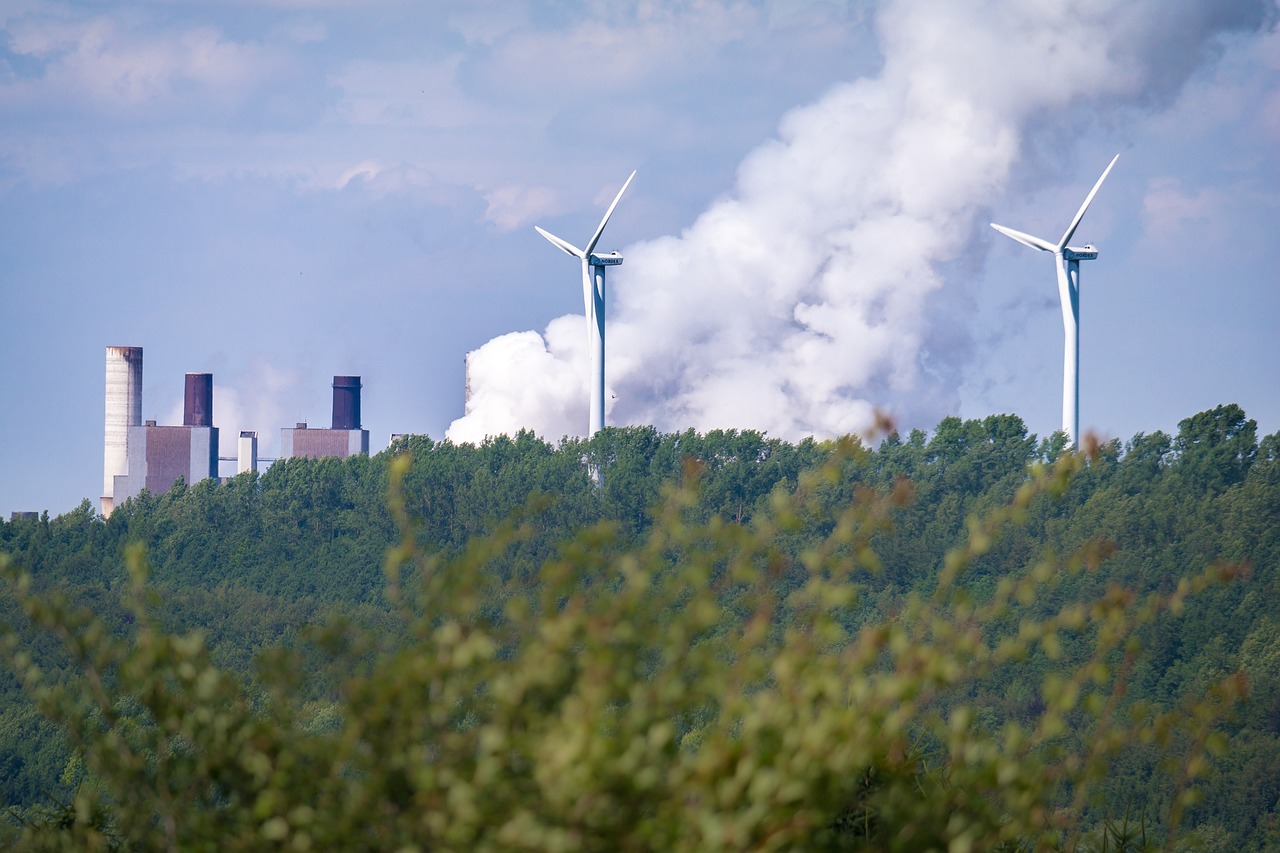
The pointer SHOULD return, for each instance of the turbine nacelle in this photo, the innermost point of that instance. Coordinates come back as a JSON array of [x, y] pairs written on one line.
[[611, 259], [1083, 253]]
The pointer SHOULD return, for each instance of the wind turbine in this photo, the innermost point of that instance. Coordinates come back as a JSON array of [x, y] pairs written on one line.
[[1067, 259], [593, 267]]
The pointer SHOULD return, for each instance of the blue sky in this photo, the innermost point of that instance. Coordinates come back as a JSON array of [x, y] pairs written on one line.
[[278, 192]]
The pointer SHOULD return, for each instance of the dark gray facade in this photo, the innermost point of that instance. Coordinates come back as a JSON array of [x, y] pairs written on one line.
[[159, 455], [315, 443]]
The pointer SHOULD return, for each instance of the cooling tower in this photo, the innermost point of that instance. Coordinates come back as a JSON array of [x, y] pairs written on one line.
[[124, 409], [346, 402], [197, 407]]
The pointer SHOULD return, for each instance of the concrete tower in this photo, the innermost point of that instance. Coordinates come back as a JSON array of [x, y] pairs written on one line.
[[247, 456], [124, 410]]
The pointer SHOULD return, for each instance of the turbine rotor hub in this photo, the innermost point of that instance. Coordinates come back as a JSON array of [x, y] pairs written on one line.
[[1083, 253]]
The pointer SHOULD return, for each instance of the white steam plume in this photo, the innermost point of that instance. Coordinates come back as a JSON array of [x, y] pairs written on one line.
[[809, 296]]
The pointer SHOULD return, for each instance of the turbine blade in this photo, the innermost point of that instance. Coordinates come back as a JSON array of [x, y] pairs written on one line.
[[595, 238], [1075, 223], [562, 245], [1026, 239]]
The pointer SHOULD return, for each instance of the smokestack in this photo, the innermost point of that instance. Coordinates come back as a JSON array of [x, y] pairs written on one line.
[[123, 410], [346, 402], [197, 409]]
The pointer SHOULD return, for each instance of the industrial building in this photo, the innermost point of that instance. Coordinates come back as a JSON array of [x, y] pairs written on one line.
[[345, 438], [138, 455], [141, 455], [159, 455]]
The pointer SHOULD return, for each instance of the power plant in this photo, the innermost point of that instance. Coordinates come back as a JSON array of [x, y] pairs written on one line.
[[141, 455]]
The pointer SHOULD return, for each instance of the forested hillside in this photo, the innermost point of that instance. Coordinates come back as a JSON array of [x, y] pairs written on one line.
[[259, 561]]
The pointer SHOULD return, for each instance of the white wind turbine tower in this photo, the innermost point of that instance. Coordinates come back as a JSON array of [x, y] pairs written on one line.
[[593, 266], [1067, 258]]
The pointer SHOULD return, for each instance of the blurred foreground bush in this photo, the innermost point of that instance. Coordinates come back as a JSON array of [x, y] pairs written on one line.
[[707, 690]]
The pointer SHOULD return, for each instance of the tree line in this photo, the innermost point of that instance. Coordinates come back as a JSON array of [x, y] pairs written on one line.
[[977, 525]]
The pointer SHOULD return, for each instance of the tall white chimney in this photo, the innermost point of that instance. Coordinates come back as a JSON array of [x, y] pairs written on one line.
[[124, 409]]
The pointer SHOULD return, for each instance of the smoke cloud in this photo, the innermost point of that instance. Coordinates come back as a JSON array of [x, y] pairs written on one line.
[[813, 293]]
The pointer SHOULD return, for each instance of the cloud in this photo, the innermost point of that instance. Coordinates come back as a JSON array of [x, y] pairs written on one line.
[[1174, 216], [103, 90], [260, 402], [405, 93], [617, 60], [604, 53], [522, 377], [510, 207], [303, 31], [485, 95], [366, 171], [125, 71], [811, 294]]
